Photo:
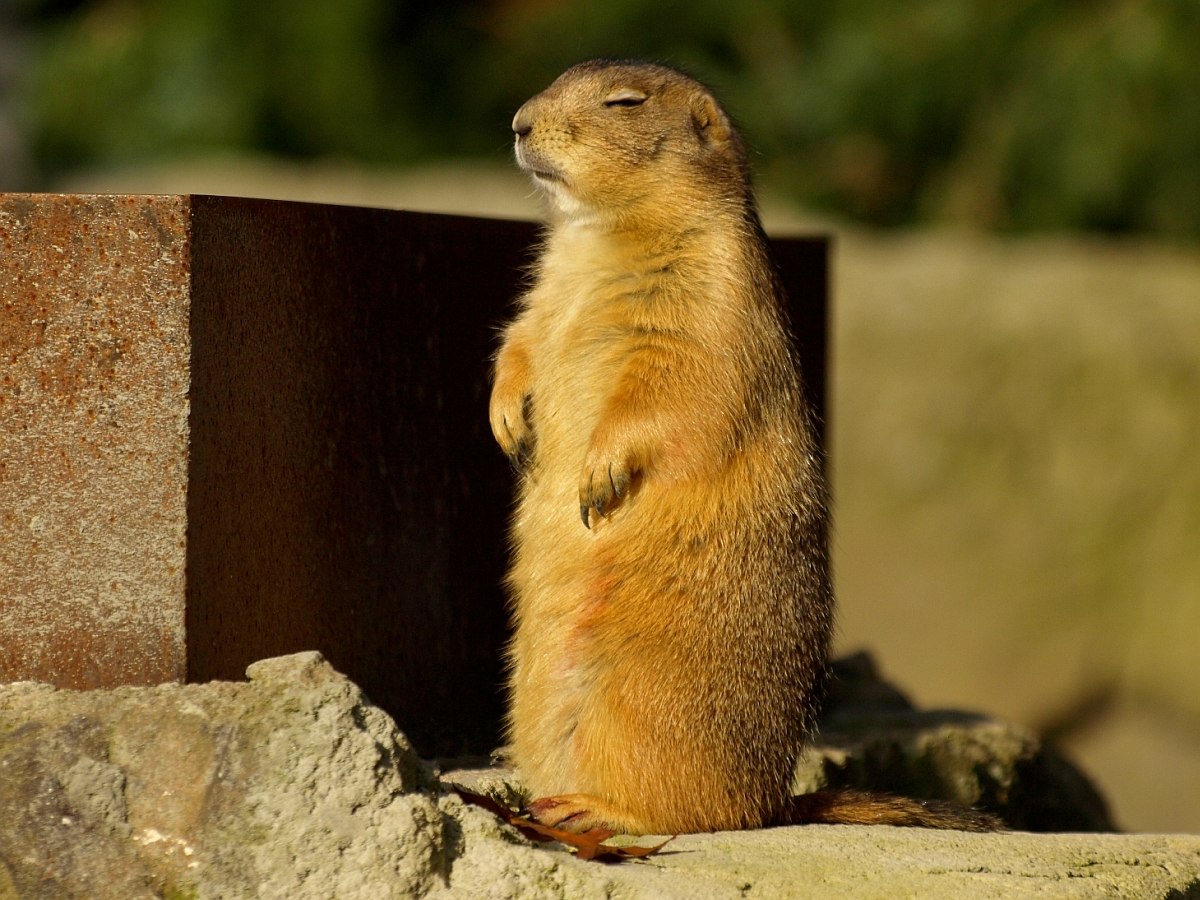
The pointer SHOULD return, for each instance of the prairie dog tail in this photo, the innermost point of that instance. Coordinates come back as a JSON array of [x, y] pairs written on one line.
[[849, 807]]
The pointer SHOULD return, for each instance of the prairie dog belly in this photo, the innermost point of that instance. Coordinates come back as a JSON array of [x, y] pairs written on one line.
[[558, 565]]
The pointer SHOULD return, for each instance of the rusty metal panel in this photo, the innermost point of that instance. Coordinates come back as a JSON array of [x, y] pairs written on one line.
[[345, 492]]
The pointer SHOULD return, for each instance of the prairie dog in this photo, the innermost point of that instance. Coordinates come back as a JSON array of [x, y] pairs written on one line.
[[670, 577]]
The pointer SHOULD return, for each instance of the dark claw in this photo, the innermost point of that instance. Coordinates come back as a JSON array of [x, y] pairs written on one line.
[[616, 490], [520, 459], [583, 514]]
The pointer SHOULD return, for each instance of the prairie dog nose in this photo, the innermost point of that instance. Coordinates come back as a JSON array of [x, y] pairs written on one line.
[[522, 122]]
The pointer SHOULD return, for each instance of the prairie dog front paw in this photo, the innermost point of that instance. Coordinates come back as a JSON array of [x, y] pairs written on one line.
[[510, 425], [508, 411], [605, 482]]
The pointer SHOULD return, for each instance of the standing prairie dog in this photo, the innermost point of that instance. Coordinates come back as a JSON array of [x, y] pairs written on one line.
[[670, 575]]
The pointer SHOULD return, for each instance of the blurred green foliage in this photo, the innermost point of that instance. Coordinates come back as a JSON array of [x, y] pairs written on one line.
[[1031, 114]]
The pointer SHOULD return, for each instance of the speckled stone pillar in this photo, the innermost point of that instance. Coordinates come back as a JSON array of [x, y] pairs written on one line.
[[232, 429], [94, 373]]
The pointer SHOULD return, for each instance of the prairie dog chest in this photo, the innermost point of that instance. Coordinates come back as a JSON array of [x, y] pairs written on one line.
[[587, 312], [576, 367]]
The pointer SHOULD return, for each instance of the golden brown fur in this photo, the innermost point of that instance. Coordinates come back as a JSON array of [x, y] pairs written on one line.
[[668, 647]]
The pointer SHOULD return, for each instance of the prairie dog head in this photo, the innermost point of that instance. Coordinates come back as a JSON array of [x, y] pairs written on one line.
[[622, 139]]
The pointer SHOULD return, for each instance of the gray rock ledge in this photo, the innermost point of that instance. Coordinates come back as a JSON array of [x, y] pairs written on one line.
[[293, 785]]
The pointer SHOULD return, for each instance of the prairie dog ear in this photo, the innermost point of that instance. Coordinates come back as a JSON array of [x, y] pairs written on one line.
[[710, 122]]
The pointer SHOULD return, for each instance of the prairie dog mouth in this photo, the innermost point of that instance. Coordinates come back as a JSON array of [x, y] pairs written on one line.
[[537, 168], [543, 175]]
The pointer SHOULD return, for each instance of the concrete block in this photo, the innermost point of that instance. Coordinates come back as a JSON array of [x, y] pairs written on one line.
[[233, 429]]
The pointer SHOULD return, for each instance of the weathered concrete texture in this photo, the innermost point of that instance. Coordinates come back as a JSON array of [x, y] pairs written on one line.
[[872, 738], [294, 786], [94, 378], [878, 863], [232, 429], [289, 783]]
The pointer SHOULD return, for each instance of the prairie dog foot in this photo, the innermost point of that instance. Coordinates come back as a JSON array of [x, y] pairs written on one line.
[[579, 813]]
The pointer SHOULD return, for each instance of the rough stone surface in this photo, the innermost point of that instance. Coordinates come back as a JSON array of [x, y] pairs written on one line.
[[873, 738], [857, 863], [293, 785], [290, 785]]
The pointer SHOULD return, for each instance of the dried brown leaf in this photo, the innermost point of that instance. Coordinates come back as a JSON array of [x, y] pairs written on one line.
[[588, 846]]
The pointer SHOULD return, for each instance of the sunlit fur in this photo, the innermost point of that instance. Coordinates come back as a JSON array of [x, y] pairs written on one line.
[[667, 654]]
